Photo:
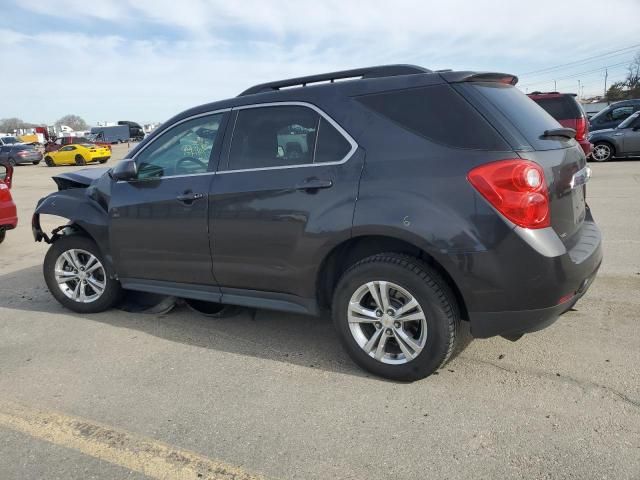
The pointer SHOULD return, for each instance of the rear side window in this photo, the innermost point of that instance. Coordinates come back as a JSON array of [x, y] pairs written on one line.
[[560, 108], [283, 136], [437, 113]]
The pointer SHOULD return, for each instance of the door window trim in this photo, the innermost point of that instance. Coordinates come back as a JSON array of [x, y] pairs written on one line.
[[336, 125]]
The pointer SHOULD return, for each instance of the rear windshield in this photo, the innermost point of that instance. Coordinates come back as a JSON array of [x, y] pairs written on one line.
[[561, 108], [526, 116], [437, 113]]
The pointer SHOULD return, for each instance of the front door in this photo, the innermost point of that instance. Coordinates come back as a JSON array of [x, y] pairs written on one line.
[[280, 197], [159, 221], [631, 141]]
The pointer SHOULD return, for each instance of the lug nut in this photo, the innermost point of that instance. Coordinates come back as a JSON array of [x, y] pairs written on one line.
[[391, 313], [378, 325], [378, 313], [397, 324], [388, 332]]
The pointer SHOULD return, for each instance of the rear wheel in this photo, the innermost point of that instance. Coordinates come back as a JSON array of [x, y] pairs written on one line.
[[77, 276], [104, 160], [48, 161], [3, 234], [80, 160], [36, 162], [602, 152], [396, 316]]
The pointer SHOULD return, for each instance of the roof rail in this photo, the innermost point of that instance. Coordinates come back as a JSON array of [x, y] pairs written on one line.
[[358, 73]]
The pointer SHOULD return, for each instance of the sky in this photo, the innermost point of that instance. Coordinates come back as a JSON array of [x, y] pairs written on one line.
[[146, 60]]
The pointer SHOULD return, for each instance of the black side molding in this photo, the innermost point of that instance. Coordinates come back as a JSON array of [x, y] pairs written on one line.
[[560, 132]]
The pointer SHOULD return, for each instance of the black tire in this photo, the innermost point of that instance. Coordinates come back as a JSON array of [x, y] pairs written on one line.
[[3, 235], [104, 160], [80, 161], [36, 162], [12, 161], [112, 293], [49, 162], [607, 149], [427, 287]]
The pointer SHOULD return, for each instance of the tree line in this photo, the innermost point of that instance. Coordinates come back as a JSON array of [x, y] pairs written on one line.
[[9, 125], [630, 86]]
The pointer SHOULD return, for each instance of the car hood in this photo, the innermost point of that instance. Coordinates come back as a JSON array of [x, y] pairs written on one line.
[[79, 179]]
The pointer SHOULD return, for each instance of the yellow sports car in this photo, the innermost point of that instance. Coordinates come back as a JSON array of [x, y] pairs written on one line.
[[77, 154]]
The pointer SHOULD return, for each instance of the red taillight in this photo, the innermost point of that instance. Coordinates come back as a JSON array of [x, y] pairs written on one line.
[[516, 188], [581, 129]]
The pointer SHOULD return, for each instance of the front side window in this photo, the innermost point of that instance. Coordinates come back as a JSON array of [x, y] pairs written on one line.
[[182, 150], [281, 136], [621, 113]]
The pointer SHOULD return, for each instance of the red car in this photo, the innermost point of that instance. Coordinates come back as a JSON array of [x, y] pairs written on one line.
[[52, 146], [8, 212], [567, 111]]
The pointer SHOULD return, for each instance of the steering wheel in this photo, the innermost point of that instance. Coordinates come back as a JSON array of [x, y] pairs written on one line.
[[186, 160]]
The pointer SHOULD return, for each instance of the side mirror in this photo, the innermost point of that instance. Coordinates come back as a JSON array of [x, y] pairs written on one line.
[[125, 170]]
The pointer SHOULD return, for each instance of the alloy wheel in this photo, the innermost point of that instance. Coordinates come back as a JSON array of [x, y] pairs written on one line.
[[387, 322], [601, 152], [80, 275]]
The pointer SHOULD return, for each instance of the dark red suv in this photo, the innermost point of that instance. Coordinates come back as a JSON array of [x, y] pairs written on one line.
[[567, 111]]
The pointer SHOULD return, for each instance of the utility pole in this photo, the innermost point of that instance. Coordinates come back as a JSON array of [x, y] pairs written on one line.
[[555, 86], [606, 74], [578, 89]]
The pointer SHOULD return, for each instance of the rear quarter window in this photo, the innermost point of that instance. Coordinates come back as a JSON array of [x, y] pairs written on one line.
[[525, 115], [437, 113]]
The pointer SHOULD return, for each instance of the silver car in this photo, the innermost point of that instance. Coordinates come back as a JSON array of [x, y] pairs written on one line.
[[622, 141]]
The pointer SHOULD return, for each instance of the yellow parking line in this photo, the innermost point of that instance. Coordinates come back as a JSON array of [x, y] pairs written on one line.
[[144, 455]]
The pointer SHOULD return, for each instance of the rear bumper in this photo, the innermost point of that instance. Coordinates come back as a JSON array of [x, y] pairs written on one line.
[[490, 324], [528, 281], [586, 147]]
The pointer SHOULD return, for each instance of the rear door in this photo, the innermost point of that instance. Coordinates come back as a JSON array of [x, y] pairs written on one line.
[[159, 222], [286, 188]]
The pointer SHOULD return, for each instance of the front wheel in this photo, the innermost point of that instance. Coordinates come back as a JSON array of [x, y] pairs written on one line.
[[396, 316], [76, 274], [12, 162], [48, 161], [602, 152]]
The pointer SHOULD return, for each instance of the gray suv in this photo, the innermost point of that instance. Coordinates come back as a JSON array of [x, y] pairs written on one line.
[[399, 200]]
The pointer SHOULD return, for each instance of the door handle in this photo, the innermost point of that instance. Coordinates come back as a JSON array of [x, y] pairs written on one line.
[[314, 184], [189, 197]]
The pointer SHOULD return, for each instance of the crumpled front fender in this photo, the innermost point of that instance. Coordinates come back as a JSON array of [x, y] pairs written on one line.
[[84, 214]]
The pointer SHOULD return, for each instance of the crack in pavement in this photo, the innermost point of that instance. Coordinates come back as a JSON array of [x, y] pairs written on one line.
[[583, 384]]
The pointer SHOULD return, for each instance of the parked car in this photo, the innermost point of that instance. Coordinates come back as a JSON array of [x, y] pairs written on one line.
[[614, 114], [622, 141], [8, 212], [360, 197], [20, 153], [9, 141], [568, 112], [77, 154], [59, 142]]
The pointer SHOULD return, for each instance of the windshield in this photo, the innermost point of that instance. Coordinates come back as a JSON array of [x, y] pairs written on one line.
[[9, 140], [629, 120]]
